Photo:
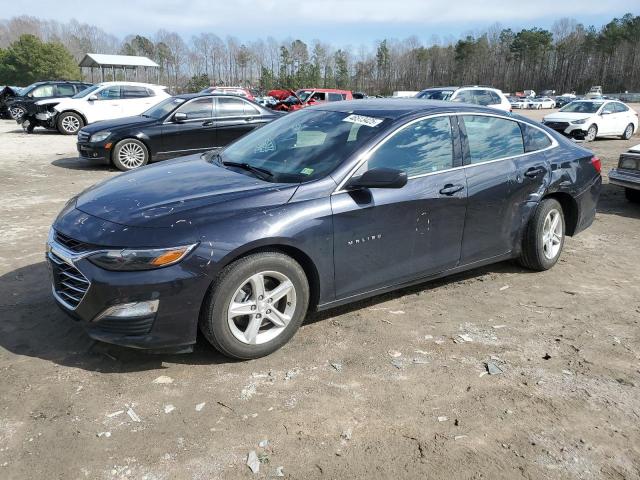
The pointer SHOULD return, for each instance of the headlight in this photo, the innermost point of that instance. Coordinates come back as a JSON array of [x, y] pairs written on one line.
[[579, 122], [147, 259], [100, 136]]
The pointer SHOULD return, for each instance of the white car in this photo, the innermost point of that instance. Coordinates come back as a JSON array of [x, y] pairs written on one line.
[[541, 102], [103, 101], [589, 119], [478, 95]]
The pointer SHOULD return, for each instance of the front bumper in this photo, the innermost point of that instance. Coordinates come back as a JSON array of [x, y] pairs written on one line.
[[93, 151], [568, 129], [85, 291], [625, 178]]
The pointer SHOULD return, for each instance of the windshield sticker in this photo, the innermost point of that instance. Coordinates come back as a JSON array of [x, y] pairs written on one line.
[[266, 146], [363, 120], [306, 171]]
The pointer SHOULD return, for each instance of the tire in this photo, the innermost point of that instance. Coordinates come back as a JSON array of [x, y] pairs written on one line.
[[628, 132], [592, 133], [16, 112], [130, 154], [538, 253], [232, 335], [69, 123], [632, 195]]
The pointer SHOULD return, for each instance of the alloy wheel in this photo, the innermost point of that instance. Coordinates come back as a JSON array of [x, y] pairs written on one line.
[[628, 132], [261, 307], [131, 155], [16, 112], [552, 234], [591, 134], [70, 124]]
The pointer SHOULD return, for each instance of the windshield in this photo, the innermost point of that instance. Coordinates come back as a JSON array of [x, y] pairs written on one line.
[[302, 146], [86, 91], [164, 108], [435, 94], [25, 91], [582, 107]]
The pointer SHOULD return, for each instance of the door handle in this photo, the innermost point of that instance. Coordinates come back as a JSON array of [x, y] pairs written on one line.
[[533, 172], [450, 189], [208, 123]]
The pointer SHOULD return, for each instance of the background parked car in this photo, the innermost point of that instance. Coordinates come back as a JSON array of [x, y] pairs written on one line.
[[306, 97], [563, 100], [517, 103], [28, 96], [589, 119], [177, 126], [103, 101], [240, 91], [485, 96], [539, 103], [627, 175]]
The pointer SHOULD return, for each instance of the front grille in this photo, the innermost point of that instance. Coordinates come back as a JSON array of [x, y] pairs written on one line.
[[560, 126], [68, 282], [125, 326], [83, 136], [69, 243]]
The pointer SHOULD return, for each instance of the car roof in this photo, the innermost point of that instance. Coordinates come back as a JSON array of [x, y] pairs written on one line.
[[133, 84], [189, 96], [397, 108]]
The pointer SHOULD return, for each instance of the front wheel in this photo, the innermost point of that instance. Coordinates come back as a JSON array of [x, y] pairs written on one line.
[[256, 305], [544, 236], [628, 132], [16, 112], [592, 133], [129, 154], [69, 123]]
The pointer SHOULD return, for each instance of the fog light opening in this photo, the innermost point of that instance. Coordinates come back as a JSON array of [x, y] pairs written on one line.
[[130, 310]]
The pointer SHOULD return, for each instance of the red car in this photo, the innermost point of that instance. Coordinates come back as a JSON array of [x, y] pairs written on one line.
[[305, 97], [240, 91]]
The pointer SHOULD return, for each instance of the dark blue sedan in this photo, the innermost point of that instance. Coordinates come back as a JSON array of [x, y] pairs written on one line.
[[319, 208]]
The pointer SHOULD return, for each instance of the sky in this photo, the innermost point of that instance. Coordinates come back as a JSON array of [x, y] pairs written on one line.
[[340, 22]]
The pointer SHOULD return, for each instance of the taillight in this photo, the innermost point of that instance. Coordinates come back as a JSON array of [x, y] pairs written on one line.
[[597, 164]]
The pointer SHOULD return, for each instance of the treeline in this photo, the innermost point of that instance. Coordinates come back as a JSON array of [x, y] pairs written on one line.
[[569, 56]]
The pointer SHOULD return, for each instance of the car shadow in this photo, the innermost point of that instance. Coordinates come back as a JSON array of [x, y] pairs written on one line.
[[32, 325], [78, 163], [613, 202]]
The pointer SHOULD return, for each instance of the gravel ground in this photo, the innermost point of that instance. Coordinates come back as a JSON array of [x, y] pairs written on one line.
[[394, 387]]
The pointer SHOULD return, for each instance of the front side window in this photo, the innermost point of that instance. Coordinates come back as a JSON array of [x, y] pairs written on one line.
[[534, 139], [423, 147], [305, 145], [109, 93], [43, 91], [491, 138], [609, 108], [198, 108], [65, 90]]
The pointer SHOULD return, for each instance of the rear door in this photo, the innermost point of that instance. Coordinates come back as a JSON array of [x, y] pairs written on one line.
[[196, 133], [384, 237], [490, 145], [235, 117], [135, 100]]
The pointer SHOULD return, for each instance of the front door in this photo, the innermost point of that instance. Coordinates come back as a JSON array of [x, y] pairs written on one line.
[[196, 133], [107, 106], [609, 120], [388, 236]]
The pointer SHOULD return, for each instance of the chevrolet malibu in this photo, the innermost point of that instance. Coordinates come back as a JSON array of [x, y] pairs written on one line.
[[319, 208]]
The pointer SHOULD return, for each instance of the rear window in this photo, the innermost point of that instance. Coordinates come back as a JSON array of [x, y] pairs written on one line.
[[534, 139], [491, 138]]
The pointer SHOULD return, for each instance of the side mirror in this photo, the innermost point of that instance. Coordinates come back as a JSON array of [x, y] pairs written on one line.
[[604, 113], [380, 178], [180, 117], [92, 98]]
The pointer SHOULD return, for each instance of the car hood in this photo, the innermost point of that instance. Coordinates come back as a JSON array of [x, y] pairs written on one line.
[[163, 194], [137, 120], [51, 100], [566, 116]]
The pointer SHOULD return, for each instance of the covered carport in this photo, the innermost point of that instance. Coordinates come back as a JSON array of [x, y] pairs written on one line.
[[133, 68]]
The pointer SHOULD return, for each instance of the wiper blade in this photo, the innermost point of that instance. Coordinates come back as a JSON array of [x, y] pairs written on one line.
[[260, 172]]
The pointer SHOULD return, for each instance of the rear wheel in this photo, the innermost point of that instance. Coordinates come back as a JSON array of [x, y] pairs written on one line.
[[129, 154], [544, 236], [69, 123], [256, 305], [592, 133], [628, 132], [632, 195]]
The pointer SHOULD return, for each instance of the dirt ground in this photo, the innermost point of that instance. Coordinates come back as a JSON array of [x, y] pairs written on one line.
[[382, 389]]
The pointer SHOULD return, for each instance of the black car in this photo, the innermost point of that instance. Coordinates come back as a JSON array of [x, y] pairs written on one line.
[[321, 207], [24, 103], [627, 175], [7, 93], [179, 125]]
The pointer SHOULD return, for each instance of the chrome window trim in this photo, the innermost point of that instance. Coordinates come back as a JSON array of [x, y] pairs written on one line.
[[365, 156]]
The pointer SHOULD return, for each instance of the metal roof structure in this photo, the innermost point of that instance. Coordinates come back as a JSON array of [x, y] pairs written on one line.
[[118, 61]]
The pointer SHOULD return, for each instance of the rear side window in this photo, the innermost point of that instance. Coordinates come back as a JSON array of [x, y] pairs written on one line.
[[423, 147], [334, 97], [491, 138], [495, 98], [198, 108], [534, 139], [65, 90], [235, 107], [621, 107], [135, 92]]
